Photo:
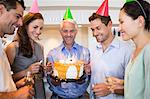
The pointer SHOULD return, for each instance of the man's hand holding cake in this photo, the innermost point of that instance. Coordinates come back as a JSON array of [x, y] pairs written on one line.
[[70, 68], [68, 79]]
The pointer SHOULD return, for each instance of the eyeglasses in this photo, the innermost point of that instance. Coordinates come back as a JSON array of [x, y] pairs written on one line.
[[70, 31]]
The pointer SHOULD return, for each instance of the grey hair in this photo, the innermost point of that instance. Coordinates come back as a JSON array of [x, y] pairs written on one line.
[[68, 20]]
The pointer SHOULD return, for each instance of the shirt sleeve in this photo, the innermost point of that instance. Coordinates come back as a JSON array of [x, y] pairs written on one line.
[[49, 57], [147, 72]]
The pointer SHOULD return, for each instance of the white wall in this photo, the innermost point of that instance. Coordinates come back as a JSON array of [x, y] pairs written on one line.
[[43, 3], [53, 10], [51, 37]]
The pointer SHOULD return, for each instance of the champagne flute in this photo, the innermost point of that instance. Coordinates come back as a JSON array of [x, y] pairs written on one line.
[[48, 68], [85, 56], [44, 67], [95, 81], [28, 79], [93, 94], [110, 82]]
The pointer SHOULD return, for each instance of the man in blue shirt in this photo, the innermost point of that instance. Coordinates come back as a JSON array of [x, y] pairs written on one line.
[[109, 58], [69, 48]]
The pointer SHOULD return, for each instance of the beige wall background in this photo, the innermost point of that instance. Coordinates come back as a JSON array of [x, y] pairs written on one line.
[[51, 38]]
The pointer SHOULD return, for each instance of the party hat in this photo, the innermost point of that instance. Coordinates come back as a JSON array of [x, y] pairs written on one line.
[[129, 0], [34, 8], [103, 9], [68, 14]]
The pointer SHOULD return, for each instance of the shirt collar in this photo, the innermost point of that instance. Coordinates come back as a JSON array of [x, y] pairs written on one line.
[[62, 46], [114, 43]]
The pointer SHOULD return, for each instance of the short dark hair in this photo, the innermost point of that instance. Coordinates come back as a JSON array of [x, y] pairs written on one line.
[[138, 8], [21, 2], [104, 19], [9, 4]]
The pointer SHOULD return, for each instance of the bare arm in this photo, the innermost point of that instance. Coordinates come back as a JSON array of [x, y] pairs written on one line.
[[19, 75], [6, 95], [23, 93], [11, 54], [33, 68]]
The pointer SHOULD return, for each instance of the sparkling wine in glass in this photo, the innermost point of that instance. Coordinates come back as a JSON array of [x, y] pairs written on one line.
[[29, 79]]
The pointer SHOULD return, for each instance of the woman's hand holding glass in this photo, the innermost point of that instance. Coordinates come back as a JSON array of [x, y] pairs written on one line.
[[117, 85], [34, 68]]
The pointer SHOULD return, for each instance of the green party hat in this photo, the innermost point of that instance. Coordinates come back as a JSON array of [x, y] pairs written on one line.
[[68, 14], [129, 0]]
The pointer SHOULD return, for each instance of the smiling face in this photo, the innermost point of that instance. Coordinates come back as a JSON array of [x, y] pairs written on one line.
[[34, 28], [100, 31], [68, 33], [127, 26], [12, 19]]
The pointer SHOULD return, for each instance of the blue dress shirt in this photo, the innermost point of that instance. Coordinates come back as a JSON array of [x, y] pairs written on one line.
[[111, 62], [69, 89]]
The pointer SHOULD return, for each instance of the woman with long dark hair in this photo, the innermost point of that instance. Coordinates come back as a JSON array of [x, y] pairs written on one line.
[[24, 53]]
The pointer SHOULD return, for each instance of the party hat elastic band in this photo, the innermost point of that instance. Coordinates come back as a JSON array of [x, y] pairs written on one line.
[[139, 5], [68, 14], [103, 9], [34, 8]]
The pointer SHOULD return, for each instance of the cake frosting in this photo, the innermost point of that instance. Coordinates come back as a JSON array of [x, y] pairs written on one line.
[[68, 69]]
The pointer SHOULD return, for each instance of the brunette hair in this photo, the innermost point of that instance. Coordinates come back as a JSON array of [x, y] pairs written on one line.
[[104, 19], [24, 42]]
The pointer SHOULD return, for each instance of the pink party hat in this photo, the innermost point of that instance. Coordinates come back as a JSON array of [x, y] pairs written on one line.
[[103, 9], [34, 8]]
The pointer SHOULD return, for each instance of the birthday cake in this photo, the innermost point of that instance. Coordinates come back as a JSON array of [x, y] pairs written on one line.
[[68, 69]]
